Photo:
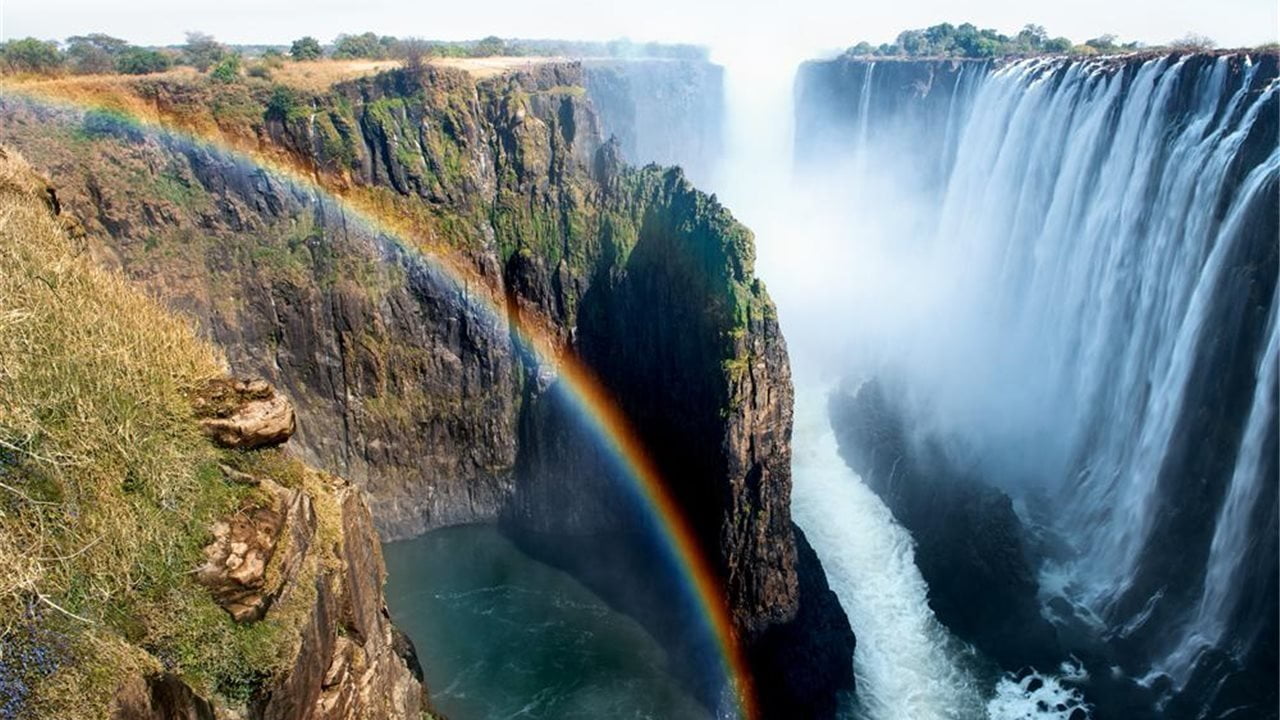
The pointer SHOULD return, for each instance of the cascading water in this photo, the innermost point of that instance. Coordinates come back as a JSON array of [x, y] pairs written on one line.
[[1084, 304], [908, 665]]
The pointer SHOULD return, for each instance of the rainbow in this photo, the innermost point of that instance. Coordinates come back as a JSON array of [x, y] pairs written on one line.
[[582, 387]]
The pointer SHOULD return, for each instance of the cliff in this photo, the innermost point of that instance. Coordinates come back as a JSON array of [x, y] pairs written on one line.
[[128, 461], [908, 107], [404, 379]]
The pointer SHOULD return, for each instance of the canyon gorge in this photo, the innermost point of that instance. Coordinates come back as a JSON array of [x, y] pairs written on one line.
[[997, 441]]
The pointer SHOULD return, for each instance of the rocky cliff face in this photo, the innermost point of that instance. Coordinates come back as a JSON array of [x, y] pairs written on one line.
[[402, 381], [280, 615], [349, 662], [905, 106]]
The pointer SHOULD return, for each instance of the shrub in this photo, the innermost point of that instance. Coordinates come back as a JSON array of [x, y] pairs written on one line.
[[283, 103], [31, 55], [1057, 45], [489, 47], [413, 53], [142, 61], [306, 48], [227, 70], [365, 45]]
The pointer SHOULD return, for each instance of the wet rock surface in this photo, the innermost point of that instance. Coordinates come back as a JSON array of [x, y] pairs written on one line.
[[970, 545]]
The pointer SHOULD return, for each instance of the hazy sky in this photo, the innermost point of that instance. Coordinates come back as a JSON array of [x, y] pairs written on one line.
[[798, 24]]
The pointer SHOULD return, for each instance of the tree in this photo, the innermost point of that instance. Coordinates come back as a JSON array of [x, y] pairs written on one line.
[[306, 48], [941, 39], [489, 47], [1057, 45], [1193, 42], [912, 42], [364, 45], [202, 51], [142, 61], [1032, 37], [862, 48], [31, 55], [1102, 43], [94, 53], [412, 53]]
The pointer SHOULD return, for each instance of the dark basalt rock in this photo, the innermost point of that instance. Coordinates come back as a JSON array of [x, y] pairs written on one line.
[[803, 664], [970, 544]]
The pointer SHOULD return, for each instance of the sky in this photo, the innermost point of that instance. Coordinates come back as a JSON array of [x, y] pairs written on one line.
[[811, 25]]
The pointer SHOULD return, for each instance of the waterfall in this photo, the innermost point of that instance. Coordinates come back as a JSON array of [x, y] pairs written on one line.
[[1092, 318], [907, 664], [864, 115]]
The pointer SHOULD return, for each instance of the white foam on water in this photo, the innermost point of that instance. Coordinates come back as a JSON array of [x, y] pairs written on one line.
[[908, 667]]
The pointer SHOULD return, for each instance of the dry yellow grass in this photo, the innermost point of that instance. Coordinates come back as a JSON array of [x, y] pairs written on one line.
[[319, 75], [107, 487]]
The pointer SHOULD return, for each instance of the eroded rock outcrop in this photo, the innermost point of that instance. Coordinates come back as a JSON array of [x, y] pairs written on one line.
[[244, 414], [311, 537]]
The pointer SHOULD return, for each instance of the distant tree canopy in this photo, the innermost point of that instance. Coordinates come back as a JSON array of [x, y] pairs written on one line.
[[31, 55], [94, 53], [968, 41], [202, 51], [1193, 42], [365, 45], [142, 61], [306, 48], [98, 53]]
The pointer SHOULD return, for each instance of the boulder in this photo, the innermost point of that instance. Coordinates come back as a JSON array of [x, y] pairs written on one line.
[[244, 545], [244, 414]]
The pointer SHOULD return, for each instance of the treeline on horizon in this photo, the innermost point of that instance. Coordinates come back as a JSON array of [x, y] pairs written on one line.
[[98, 53], [968, 41]]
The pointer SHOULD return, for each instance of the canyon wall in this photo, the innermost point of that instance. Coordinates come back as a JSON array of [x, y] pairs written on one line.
[[406, 380], [238, 581]]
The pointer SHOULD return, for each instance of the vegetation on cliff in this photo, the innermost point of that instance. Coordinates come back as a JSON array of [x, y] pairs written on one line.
[[968, 41], [98, 53], [108, 489], [332, 286]]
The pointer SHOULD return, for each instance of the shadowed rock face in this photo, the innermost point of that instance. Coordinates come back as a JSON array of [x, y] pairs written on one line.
[[970, 545], [412, 390]]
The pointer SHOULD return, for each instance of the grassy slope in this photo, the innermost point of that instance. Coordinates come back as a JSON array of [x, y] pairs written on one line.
[[107, 489]]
